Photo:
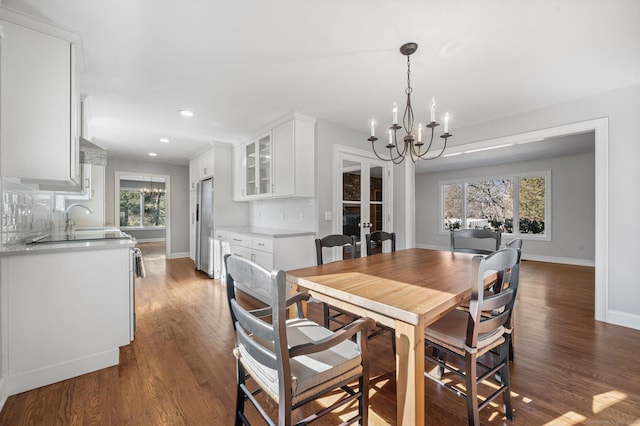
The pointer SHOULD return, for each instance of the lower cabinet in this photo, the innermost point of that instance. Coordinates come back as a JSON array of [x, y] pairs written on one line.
[[284, 251], [65, 313]]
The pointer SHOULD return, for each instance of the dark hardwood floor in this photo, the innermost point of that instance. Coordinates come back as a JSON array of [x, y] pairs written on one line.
[[569, 369]]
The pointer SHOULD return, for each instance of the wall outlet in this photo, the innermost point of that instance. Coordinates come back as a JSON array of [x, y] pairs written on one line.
[[328, 216]]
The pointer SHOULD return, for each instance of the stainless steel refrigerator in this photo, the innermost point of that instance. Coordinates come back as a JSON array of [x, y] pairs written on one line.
[[204, 227]]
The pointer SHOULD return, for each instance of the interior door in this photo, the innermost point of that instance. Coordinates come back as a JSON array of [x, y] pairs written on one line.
[[364, 200]]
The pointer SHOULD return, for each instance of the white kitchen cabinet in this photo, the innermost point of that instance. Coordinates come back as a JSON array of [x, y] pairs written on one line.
[[239, 192], [258, 168], [39, 115], [271, 249], [200, 167], [192, 224], [278, 163], [93, 198], [65, 313]]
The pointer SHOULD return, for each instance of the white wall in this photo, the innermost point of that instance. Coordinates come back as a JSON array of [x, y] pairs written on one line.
[[622, 107], [179, 192], [572, 204]]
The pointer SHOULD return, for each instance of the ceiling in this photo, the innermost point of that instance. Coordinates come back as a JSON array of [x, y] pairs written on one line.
[[239, 64]]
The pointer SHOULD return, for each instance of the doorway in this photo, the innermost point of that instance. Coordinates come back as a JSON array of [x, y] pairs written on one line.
[[363, 198], [141, 207]]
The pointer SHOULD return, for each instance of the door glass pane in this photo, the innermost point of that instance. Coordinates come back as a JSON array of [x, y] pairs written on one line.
[[250, 155], [351, 217], [375, 217], [375, 183], [264, 146], [351, 184]]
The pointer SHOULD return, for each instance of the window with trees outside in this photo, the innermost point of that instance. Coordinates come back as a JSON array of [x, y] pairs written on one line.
[[142, 207], [516, 205]]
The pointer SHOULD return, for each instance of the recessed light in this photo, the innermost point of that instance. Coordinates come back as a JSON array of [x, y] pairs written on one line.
[[153, 154], [185, 113], [164, 140]]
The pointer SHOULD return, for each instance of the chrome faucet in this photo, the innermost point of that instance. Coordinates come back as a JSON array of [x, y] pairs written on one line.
[[68, 223]]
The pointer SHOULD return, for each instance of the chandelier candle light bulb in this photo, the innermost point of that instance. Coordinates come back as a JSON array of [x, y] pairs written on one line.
[[409, 146], [433, 110]]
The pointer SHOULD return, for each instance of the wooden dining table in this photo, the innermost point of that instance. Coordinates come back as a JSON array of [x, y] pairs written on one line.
[[406, 290]]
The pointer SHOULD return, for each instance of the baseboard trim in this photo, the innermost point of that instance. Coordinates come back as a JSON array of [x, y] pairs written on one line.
[[55, 373], [535, 257], [150, 240], [623, 319], [3, 393], [179, 255]]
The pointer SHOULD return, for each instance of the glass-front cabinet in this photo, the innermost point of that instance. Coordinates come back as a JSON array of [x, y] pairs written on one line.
[[258, 167], [277, 162]]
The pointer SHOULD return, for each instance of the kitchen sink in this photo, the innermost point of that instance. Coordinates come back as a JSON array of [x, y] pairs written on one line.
[[82, 234]]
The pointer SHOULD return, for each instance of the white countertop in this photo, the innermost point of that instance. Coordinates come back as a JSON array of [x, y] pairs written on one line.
[[264, 232], [70, 246]]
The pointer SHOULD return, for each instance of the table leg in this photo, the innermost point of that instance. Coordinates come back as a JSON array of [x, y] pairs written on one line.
[[410, 373]]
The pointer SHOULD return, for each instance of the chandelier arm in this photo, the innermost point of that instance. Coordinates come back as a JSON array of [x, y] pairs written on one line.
[[441, 151], [391, 158], [421, 155]]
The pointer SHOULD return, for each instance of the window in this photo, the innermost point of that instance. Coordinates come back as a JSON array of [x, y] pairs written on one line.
[[498, 203], [142, 207]]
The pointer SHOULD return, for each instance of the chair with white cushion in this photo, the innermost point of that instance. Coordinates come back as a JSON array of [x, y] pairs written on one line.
[[478, 340], [294, 361]]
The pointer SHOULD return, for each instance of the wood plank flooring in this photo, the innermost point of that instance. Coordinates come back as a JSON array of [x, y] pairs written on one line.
[[569, 369]]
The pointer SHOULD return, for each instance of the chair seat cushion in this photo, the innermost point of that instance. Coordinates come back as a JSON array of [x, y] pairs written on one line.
[[450, 331], [314, 372]]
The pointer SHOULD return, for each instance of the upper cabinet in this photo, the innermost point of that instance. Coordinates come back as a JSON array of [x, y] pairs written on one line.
[[278, 163], [39, 111], [200, 167]]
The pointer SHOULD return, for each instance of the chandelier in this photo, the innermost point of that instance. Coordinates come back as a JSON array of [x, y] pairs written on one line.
[[411, 148]]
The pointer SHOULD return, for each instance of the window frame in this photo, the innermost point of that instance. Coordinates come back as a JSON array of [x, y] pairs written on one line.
[[515, 177]]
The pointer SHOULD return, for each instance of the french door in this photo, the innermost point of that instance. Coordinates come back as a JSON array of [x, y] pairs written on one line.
[[364, 198]]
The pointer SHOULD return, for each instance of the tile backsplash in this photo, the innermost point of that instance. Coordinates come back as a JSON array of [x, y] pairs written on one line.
[[295, 214], [26, 211]]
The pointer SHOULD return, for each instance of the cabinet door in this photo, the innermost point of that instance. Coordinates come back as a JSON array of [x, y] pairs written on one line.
[[263, 259], [250, 169], [264, 165], [38, 107], [284, 179], [257, 167], [193, 173], [192, 224], [238, 174], [206, 163]]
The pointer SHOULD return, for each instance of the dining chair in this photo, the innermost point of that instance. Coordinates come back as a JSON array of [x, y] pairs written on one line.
[[294, 361], [475, 241], [514, 282], [377, 238], [330, 313], [478, 340]]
